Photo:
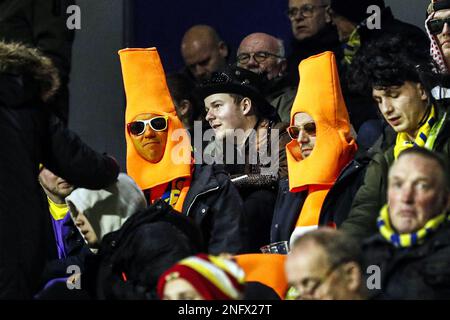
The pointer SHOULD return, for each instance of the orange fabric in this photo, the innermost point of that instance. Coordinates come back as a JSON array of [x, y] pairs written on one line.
[[319, 94], [267, 269], [147, 92]]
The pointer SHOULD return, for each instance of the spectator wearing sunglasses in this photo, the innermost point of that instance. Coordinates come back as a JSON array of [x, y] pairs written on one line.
[[393, 69], [264, 54], [321, 147], [438, 29], [325, 264], [159, 157]]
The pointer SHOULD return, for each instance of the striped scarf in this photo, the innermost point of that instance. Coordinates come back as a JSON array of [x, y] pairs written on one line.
[[351, 47], [408, 239], [425, 137]]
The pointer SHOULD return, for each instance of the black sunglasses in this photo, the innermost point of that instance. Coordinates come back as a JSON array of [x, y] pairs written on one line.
[[437, 25], [309, 128], [137, 127]]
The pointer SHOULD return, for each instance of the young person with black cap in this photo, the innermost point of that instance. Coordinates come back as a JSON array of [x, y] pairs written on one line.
[[245, 124]]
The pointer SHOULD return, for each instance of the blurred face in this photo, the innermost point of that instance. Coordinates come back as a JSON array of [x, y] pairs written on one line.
[[344, 26], [55, 185], [308, 270], [180, 289], [86, 230], [309, 23], [403, 107], [416, 193], [223, 114], [306, 132], [150, 144], [259, 53], [203, 57], [443, 38]]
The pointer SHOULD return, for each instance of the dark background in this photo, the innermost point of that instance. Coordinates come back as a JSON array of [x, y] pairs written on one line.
[[97, 103]]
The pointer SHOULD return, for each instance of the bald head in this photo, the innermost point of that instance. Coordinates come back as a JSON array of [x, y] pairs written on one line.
[[269, 52], [203, 51]]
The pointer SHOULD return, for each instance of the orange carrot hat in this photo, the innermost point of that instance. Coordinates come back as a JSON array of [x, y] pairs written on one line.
[[319, 94], [267, 269], [146, 91]]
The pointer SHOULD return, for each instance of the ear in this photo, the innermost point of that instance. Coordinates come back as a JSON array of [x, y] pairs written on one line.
[[283, 65], [185, 107], [352, 275], [422, 92], [246, 106], [223, 49]]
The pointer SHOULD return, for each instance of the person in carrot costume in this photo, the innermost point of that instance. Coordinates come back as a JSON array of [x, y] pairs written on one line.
[[159, 157], [320, 148]]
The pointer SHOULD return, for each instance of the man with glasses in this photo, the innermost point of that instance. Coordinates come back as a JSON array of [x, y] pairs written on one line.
[[312, 32], [264, 54], [325, 264], [412, 248]]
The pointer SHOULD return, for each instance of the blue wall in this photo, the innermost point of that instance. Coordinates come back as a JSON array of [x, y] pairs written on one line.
[[163, 23]]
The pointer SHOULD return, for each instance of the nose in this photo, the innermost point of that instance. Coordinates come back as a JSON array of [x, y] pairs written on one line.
[[252, 62], [385, 107], [407, 194], [209, 115], [446, 29], [149, 133], [200, 72], [303, 137]]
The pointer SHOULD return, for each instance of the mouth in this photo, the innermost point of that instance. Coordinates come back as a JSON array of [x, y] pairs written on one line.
[[395, 121], [445, 42], [215, 126], [151, 143], [65, 185], [300, 28]]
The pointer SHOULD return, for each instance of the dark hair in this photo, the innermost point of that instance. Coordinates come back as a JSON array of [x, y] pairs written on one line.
[[339, 247], [182, 88], [388, 60], [431, 155], [237, 98]]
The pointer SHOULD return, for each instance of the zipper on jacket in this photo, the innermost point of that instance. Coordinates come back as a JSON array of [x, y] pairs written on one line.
[[200, 194]]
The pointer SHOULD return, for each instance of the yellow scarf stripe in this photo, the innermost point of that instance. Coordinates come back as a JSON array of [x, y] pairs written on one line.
[[422, 136], [408, 239]]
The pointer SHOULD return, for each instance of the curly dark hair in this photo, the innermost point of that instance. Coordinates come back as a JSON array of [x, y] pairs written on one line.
[[388, 60]]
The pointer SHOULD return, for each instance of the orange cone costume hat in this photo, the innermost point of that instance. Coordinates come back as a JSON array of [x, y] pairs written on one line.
[[319, 95], [146, 91], [267, 269]]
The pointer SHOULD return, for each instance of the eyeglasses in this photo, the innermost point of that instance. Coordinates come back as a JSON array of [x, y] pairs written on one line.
[[437, 25], [294, 131], [158, 123], [306, 11], [259, 57]]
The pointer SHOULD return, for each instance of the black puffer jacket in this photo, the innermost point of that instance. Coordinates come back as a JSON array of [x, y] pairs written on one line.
[[419, 272]]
